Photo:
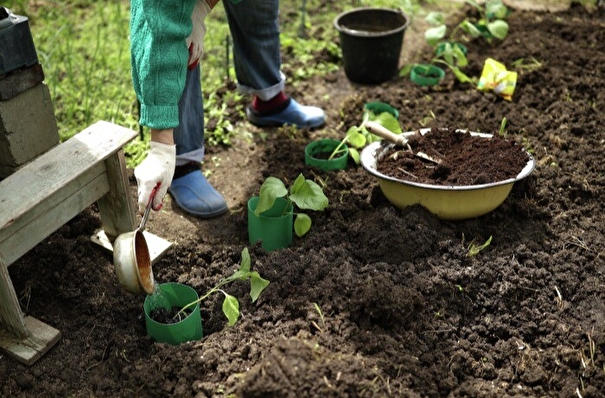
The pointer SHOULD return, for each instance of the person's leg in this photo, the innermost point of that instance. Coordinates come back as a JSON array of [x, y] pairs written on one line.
[[190, 189], [254, 26], [189, 135]]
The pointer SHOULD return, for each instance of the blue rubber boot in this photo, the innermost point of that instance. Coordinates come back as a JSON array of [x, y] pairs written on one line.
[[194, 194], [294, 114]]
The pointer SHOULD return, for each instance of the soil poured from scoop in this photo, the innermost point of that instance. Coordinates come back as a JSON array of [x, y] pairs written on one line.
[[443, 156], [169, 315]]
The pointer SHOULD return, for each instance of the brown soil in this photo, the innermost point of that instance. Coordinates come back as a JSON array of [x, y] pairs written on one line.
[[443, 156], [374, 301]]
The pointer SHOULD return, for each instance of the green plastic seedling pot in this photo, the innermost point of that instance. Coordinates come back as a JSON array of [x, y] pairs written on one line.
[[378, 107], [272, 227], [326, 146], [173, 295], [427, 75]]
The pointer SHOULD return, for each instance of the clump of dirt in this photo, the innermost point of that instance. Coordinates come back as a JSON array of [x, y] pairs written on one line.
[[374, 301], [443, 156]]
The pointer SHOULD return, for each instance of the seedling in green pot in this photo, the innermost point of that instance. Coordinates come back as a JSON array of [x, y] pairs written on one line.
[[305, 194], [230, 303], [358, 136], [447, 51]]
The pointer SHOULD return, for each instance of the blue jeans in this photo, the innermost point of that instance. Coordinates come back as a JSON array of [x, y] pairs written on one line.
[[254, 27]]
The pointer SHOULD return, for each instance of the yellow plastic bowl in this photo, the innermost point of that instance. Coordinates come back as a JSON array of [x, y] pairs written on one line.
[[446, 202]]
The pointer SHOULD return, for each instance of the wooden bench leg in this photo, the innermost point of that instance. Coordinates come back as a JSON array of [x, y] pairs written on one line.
[[118, 213], [116, 206], [24, 338]]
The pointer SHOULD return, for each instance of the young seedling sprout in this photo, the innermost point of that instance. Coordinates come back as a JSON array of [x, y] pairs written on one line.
[[230, 303], [491, 22], [474, 249]]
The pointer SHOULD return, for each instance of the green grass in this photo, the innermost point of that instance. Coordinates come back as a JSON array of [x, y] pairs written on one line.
[[84, 51]]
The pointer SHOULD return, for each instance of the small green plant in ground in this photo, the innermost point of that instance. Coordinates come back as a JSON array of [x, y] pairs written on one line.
[[474, 248], [491, 22], [230, 303], [502, 130], [447, 51], [305, 194]]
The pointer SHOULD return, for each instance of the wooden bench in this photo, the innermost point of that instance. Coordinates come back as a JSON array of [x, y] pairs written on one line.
[[41, 197]]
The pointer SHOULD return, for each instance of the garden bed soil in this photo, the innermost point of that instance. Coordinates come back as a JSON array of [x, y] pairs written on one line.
[[375, 301]]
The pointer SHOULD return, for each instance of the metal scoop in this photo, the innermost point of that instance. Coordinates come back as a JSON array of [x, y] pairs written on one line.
[[131, 257], [397, 139]]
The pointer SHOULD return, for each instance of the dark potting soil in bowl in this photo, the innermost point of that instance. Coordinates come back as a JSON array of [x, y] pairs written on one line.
[[463, 159], [168, 316]]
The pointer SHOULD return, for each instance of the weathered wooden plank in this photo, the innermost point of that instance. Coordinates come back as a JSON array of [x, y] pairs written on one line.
[[42, 196], [27, 351], [46, 204], [57, 168], [24, 338], [51, 214]]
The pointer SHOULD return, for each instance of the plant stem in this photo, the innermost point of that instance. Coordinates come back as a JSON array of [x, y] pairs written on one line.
[[337, 149], [205, 296]]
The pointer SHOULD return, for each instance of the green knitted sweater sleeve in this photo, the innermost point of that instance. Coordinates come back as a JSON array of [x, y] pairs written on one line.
[[159, 55]]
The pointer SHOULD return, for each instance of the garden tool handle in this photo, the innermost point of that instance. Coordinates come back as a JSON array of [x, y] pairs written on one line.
[[148, 208], [388, 135]]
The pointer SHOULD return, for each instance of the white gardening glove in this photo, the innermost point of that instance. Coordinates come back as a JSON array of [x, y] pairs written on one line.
[[157, 168], [195, 41]]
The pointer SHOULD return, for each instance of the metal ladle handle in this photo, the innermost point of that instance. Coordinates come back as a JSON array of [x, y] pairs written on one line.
[[148, 208]]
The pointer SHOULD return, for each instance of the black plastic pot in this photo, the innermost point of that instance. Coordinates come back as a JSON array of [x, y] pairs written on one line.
[[17, 48], [371, 40]]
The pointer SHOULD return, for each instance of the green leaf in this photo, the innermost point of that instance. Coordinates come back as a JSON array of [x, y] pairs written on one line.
[[354, 154], [460, 57], [389, 122], [302, 224], [271, 189], [308, 194], [471, 29], [257, 285], [356, 139], [498, 29], [352, 130], [448, 53], [435, 18], [245, 263], [407, 68], [239, 274], [231, 308], [434, 35], [496, 9]]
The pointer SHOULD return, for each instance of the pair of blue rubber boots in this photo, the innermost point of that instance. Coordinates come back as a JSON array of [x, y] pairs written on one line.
[[194, 194]]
